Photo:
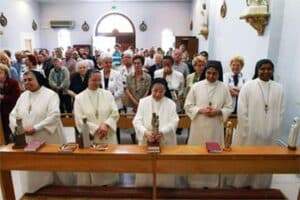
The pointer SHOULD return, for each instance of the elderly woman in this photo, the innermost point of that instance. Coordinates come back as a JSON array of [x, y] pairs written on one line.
[[111, 80], [79, 78], [208, 105], [165, 108], [137, 84], [100, 109], [235, 79], [9, 93], [199, 63], [40, 121], [4, 59]]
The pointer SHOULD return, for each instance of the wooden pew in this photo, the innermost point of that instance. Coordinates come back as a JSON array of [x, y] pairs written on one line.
[[1, 133], [133, 158], [125, 120]]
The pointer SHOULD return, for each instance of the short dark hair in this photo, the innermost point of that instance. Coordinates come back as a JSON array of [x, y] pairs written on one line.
[[32, 59], [91, 72], [7, 52], [204, 53], [142, 59], [169, 58]]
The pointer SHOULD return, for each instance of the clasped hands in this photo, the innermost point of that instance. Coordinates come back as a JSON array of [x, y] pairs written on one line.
[[153, 137], [29, 130], [209, 111], [102, 131]]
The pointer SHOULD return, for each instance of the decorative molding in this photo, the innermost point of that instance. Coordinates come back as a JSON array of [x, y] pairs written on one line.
[[257, 21]]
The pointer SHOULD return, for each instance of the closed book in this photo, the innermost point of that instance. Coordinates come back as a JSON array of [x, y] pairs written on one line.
[[213, 147], [34, 145]]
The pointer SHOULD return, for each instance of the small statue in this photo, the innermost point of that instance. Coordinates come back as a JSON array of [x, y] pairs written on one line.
[[18, 136], [153, 147], [293, 134], [228, 136], [83, 138]]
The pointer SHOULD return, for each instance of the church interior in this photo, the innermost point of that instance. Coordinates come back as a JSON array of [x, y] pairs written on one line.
[[149, 99]]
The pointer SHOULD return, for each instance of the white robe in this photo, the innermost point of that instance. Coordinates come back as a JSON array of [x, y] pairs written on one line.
[[45, 118], [84, 107], [205, 129], [256, 127], [168, 120]]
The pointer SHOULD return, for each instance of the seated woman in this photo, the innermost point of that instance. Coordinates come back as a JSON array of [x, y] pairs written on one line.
[[208, 105], [111, 80], [9, 93], [100, 109], [137, 85], [40, 121], [79, 78], [158, 102]]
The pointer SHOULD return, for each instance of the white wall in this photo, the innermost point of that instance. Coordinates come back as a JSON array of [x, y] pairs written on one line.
[[20, 14], [288, 65], [157, 15]]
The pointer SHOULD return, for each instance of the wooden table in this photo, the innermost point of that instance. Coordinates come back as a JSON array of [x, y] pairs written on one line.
[[133, 158]]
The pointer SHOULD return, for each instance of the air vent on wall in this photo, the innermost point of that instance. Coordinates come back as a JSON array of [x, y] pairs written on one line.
[[62, 24]]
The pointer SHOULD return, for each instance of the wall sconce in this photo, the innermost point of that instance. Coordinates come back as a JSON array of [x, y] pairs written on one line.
[[257, 15], [204, 26]]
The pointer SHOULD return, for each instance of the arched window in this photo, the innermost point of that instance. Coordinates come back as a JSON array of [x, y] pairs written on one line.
[[114, 24], [167, 39], [114, 28]]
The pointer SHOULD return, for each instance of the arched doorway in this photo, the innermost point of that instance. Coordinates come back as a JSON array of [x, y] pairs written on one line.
[[114, 28]]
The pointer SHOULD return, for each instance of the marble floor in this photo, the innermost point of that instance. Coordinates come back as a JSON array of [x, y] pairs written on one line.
[[289, 184]]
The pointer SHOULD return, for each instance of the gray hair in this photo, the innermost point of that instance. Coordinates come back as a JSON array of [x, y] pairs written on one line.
[[85, 63]]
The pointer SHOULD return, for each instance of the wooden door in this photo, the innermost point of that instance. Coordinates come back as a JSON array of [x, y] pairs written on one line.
[[126, 41], [190, 42]]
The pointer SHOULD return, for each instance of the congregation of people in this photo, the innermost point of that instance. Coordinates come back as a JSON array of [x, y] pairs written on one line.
[[38, 86]]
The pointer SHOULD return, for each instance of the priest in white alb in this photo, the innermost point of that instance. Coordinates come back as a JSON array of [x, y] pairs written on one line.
[[158, 102], [260, 112], [100, 109], [208, 105], [40, 121]]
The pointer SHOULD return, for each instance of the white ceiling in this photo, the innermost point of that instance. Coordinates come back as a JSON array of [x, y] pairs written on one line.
[[69, 1]]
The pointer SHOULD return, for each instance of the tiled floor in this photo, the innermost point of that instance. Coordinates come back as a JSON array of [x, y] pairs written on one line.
[[289, 184]]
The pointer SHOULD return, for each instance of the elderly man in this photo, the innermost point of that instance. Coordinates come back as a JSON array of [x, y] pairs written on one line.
[[59, 81], [69, 62], [157, 65], [178, 64]]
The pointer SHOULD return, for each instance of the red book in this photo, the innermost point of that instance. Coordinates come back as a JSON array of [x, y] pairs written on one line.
[[213, 147], [34, 145]]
